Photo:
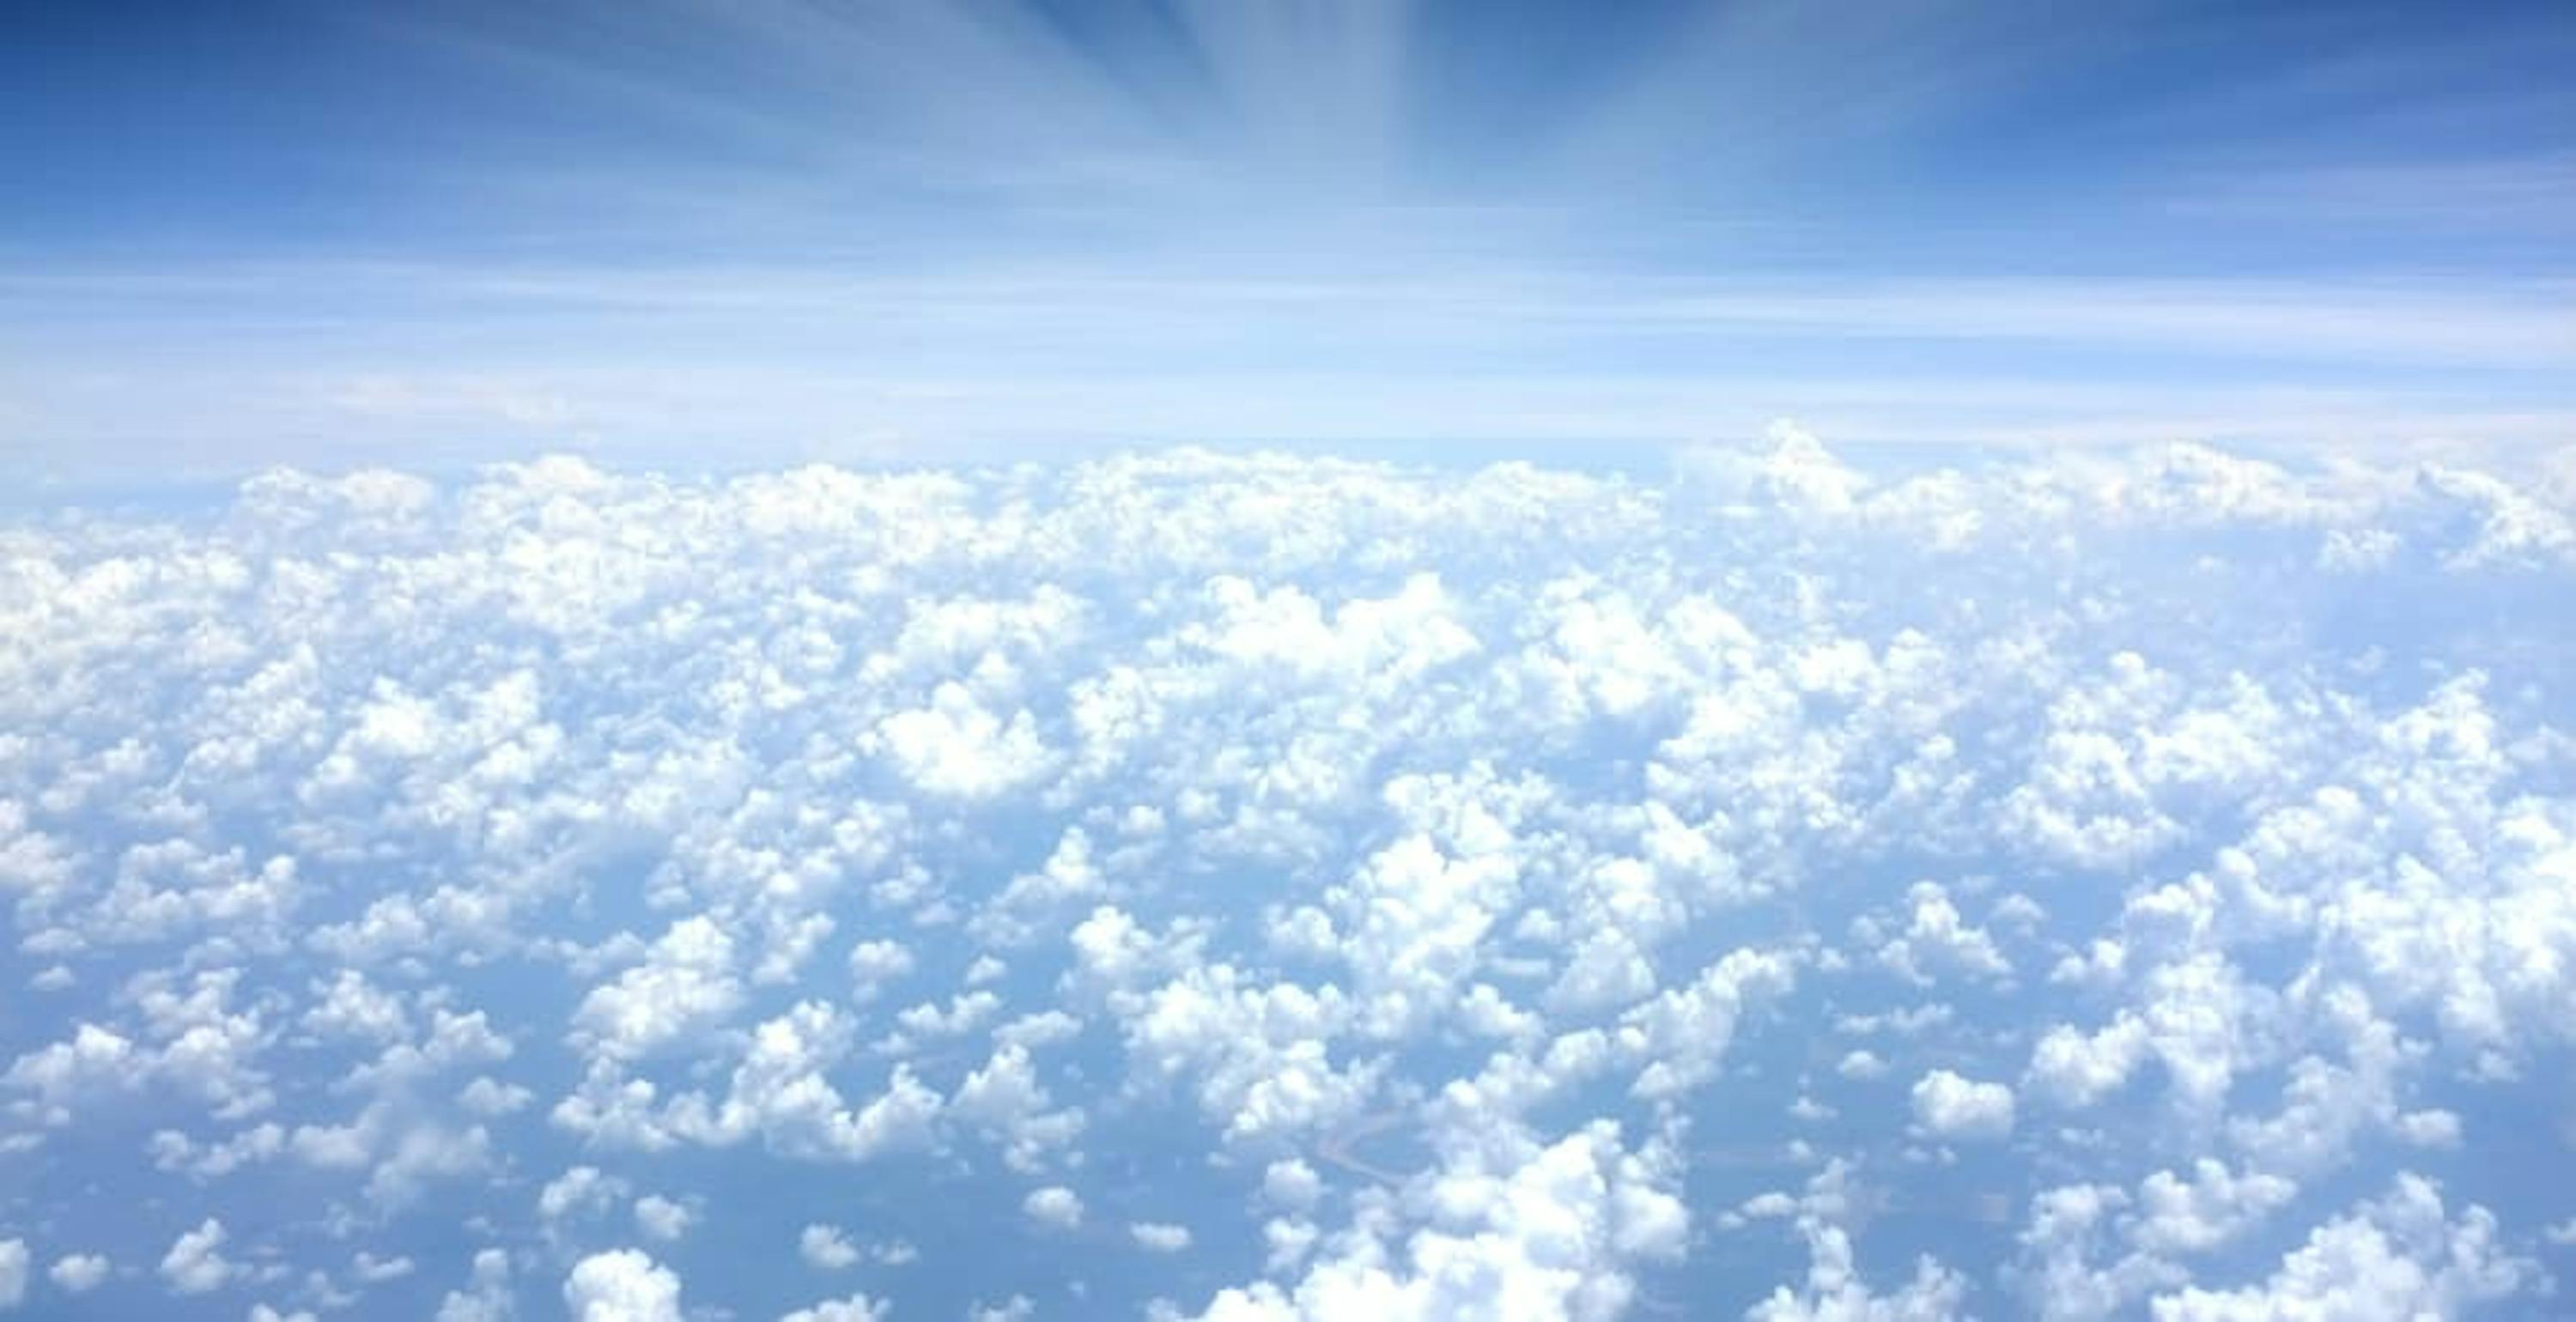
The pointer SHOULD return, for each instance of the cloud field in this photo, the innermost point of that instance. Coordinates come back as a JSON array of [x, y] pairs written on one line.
[[1256, 887]]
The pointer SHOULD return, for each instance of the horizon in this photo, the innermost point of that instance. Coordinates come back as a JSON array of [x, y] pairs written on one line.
[[288, 233], [1287, 661]]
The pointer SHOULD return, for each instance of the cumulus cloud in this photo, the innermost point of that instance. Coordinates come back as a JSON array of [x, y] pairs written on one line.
[[1055, 1207], [486, 1295], [955, 746], [1551, 1234], [78, 1273], [685, 984], [826, 1248], [622, 1285], [1160, 1236], [1951, 1107], [662, 1219], [2400, 1256], [195, 1263], [1409, 872], [855, 1308]]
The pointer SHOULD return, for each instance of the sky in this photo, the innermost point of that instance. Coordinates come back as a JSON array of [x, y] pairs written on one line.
[[707, 235], [1294, 662]]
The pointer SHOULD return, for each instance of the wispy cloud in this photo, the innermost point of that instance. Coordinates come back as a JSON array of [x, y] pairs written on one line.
[[771, 221]]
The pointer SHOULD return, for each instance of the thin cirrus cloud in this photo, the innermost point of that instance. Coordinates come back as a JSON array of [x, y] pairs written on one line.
[[294, 364], [766, 230]]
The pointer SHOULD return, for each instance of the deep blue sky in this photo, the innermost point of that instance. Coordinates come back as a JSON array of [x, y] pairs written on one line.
[[338, 234]]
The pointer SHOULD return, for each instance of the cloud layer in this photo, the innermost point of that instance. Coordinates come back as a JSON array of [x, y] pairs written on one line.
[[1265, 887]]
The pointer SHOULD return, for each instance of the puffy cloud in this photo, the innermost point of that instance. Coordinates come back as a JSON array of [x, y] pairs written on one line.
[[78, 1273], [2400, 1256], [1549, 1234], [195, 1263], [486, 1295], [1292, 1184], [1378, 826], [488, 1097], [1683, 1033], [1935, 940], [1834, 1291], [1006, 1100], [581, 1191], [1861, 1063], [1952, 1107], [2209, 1209], [1055, 1207], [2079, 1069], [13, 1272], [1017, 1308], [192, 1041], [1160, 1236], [878, 962], [826, 1248], [855, 1308], [622, 1285], [685, 985], [955, 746], [1259, 1053], [777, 1092], [662, 1219]]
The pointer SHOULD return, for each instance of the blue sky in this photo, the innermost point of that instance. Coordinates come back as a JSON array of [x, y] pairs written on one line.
[[711, 234], [493, 837]]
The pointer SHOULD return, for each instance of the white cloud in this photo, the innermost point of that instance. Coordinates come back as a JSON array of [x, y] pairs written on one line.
[[1257, 1051], [1951, 1107], [368, 1269], [195, 1263], [78, 1273], [955, 746], [1834, 1291], [13, 1273], [685, 985], [622, 1285], [1548, 1234], [826, 1248], [779, 1093], [1160, 1236], [2079, 1069], [1861, 1063], [489, 1097], [1055, 1207], [583, 1191], [876, 963], [1291, 1184], [855, 1308], [1356, 832], [1936, 940], [662, 1219], [2211, 1208], [1683, 1033], [2398, 1257], [486, 1296], [1017, 1308]]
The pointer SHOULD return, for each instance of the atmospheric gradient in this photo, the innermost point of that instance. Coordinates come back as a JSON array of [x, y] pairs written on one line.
[[1288, 661]]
